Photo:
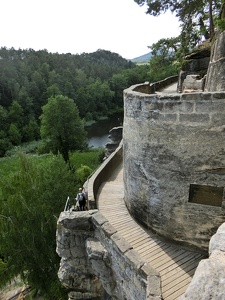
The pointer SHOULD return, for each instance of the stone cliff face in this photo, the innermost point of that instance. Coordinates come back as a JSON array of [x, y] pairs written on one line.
[[173, 143], [115, 136], [75, 271], [96, 261], [215, 80], [208, 281], [196, 64]]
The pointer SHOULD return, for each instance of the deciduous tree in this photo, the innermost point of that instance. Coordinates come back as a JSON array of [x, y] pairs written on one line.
[[61, 126], [31, 200]]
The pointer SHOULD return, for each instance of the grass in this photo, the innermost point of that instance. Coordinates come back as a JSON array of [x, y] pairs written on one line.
[[91, 158]]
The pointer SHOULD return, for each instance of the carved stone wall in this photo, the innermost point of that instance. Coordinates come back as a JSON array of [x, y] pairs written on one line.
[[171, 142]]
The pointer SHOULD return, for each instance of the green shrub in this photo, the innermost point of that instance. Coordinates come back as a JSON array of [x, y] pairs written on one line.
[[91, 158], [82, 174], [30, 147], [33, 192], [221, 24]]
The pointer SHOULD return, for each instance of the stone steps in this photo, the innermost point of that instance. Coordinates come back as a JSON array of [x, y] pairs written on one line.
[[176, 265]]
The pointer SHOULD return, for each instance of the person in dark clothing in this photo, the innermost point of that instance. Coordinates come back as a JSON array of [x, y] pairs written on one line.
[[81, 199]]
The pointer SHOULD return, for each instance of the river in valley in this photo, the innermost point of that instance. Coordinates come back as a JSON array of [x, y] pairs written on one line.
[[98, 133]]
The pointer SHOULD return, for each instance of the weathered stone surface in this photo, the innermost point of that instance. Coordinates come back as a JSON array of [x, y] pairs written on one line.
[[75, 271], [84, 296], [215, 80], [195, 63], [121, 243], [115, 135], [75, 274], [209, 278], [99, 219], [95, 250], [108, 229], [75, 220], [163, 158], [100, 262], [193, 83], [135, 259], [217, 242]]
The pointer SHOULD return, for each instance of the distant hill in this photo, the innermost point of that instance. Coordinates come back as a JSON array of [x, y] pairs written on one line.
[[143, 59]]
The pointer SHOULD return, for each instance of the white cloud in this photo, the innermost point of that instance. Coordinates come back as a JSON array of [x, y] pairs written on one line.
[[78, 26]]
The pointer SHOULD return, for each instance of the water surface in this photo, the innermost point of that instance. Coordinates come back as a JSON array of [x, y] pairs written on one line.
[[98, 133]]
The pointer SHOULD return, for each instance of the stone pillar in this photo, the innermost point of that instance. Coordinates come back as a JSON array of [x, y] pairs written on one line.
[[75, 273]]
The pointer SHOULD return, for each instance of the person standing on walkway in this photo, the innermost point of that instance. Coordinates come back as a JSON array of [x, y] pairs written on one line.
[[81, 199]]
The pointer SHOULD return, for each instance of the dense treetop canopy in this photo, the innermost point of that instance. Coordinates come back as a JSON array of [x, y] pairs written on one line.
[[28, 78], [197, 18]]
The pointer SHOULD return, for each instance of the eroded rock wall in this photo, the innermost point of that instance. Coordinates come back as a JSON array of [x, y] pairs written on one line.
[[115, 135], [96, 260], [195, 63], [76, 273], [169, 143], [209, 277], [215, 80]]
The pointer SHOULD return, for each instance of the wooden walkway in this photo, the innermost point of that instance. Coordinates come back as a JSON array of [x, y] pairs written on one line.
[[176, 265]]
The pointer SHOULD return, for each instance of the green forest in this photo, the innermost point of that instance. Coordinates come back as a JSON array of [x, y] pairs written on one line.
[[46, 100], [28, 78]]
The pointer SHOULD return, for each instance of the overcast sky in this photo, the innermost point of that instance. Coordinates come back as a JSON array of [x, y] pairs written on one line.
[[78, 26]]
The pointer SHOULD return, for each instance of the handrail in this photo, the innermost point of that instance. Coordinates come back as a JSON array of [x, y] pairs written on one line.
[[94, 180], [67, 205]]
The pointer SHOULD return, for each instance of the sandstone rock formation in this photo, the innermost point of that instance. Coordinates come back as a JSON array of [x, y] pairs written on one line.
[[215, 80], [196, 63], [193, 83], [115, 136], [96, 261], [208, 281]]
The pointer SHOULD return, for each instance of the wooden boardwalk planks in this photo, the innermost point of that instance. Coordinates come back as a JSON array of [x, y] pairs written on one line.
[[176, 265]]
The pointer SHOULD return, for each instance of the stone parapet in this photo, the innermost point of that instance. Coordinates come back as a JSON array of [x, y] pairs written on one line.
[[95, 260], [151, 88], [101, 174]]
